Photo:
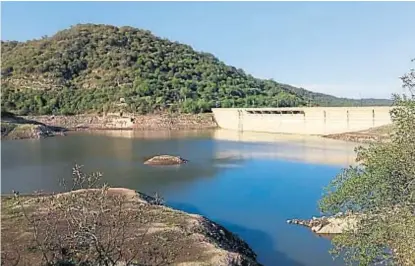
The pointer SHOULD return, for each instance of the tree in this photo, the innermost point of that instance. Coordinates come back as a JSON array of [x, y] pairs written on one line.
[[381, 190]]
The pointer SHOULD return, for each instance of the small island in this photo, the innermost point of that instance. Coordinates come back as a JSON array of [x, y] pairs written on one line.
[[166, 160]]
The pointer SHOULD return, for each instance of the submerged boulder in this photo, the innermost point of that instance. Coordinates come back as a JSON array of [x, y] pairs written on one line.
[[166, 160]]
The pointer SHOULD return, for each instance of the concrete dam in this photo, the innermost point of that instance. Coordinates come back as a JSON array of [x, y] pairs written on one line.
[[303, 120]]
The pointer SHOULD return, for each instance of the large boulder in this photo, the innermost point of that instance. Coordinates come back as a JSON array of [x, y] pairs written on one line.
[[165, 160]]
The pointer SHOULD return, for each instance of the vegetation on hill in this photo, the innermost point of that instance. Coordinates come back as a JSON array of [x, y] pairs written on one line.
[[382, 189], [100, 68], [328, 100]]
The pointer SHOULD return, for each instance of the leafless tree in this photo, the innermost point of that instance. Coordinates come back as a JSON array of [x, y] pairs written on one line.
[[90, 226]]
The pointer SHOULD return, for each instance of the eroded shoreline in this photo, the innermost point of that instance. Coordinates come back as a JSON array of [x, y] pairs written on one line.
[[129, 122], [36, 127]]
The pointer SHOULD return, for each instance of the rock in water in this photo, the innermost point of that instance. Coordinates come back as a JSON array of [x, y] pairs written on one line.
[[165, 160], [328, 225]]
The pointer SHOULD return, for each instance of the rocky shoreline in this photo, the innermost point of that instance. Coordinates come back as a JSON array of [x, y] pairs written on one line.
[[336, 224], [359, 138], [36, 127], [28, 131], [14, 127], [375, 134], [129, 122], [49, 125], [180, 238]]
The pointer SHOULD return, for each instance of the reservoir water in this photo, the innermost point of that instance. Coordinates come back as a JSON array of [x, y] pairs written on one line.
[[249, 182]]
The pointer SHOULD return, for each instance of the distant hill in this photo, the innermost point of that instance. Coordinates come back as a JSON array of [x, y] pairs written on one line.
[[97, 68], [329, 100]]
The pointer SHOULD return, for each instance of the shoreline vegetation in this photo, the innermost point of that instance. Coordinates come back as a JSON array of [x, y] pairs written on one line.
[[377, 196]]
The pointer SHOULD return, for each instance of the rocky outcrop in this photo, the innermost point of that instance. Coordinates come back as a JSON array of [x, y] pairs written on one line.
[[27, 130], [83, 122], [165, 160], [159, 234], [174, 121], [328, 225]]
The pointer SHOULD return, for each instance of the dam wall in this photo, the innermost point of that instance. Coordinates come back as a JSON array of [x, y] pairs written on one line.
[[302, 120]]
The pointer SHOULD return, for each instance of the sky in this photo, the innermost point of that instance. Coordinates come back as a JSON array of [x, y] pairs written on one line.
[[347, 49]]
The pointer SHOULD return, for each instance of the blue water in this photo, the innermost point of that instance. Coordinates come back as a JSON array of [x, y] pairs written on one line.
[[252, 196], [257, 199]]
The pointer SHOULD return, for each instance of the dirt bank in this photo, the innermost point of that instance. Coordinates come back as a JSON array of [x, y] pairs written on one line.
[[365, 136], [158, 234], [136, 122]]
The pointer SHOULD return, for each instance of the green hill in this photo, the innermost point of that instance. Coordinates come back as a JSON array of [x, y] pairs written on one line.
[[97, 68]]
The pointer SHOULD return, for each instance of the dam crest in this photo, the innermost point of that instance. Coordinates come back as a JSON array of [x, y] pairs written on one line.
[[303, 120]]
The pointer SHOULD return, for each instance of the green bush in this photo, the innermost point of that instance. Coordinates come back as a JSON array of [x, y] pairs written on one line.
[[382, 190]]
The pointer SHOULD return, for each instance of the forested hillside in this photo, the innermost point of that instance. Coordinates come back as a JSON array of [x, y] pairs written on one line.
[[97, 68]]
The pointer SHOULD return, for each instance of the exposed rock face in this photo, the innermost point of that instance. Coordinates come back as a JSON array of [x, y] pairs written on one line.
[[165, 160], [129, 121], [328, 225], [14, 131]]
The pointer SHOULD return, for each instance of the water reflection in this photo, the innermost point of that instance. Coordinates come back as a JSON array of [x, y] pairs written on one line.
[[34, 165], [310, 149], [156, 134]]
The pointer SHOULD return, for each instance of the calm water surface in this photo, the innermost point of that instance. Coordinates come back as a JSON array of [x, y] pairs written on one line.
[[250, 183]]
